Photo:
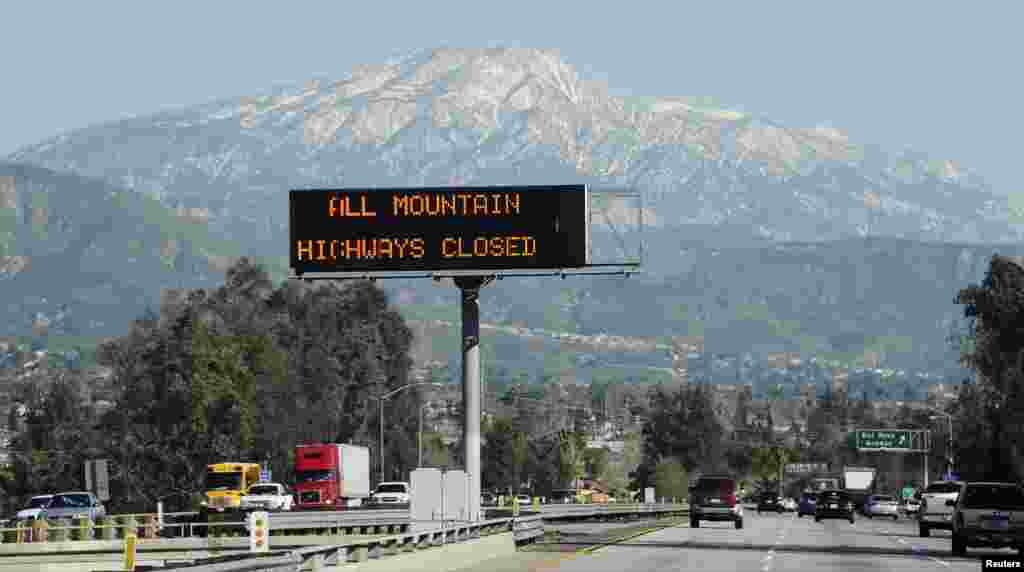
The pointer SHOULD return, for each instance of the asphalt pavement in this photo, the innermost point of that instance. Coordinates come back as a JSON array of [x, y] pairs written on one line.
[[768, 543]]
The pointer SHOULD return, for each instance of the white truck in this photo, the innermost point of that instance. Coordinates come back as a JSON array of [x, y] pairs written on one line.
[[859, 483], [268, 496], [858, 478]]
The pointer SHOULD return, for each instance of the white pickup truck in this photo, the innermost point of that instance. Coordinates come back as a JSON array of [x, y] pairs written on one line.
[[268, 496]]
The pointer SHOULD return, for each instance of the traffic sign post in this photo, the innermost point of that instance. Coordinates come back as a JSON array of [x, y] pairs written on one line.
[[895, 441], [474, 235]]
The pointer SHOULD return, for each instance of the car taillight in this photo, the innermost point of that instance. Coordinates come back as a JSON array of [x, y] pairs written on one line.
[[731, 499]]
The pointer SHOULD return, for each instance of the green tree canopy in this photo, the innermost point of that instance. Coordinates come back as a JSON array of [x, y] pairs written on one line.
[[246, 372], [993, 409], [683, 426]]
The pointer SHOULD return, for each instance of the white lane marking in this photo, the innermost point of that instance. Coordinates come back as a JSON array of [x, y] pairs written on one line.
[[943, 562]]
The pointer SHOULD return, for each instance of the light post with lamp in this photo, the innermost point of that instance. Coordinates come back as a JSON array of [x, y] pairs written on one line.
[[380, 401], [422, 407]]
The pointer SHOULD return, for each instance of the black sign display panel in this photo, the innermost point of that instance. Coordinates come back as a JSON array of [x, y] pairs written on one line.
[[439, 229]]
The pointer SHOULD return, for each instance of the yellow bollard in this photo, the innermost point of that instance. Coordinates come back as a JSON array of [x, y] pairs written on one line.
[[536, 504], [129, 551], [515, 506]]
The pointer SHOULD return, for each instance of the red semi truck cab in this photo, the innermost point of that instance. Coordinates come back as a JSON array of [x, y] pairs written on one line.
[[331, 475]]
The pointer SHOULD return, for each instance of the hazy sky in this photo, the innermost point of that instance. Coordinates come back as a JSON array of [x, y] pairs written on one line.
[[942, 77]]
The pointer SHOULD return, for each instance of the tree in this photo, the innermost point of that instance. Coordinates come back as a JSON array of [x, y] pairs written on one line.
[[738, 459], [671, 479], [571, 463], [520, 457], [767, 462], [543, 464], [497, 471], [622, 469], [193, 379], [683, 425], [435, 452], [595, 460], [994, 348], [56, 438]]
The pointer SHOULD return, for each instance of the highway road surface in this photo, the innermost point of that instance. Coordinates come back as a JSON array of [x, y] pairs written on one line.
[[767, 543]]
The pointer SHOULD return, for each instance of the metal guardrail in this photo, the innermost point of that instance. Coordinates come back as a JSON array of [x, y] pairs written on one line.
[[317, 557], [526, 529], [377, 522], [551, 512], [523, 528]]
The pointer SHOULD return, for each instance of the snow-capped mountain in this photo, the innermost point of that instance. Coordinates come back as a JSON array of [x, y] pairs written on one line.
[[507, 116], [95, 223]]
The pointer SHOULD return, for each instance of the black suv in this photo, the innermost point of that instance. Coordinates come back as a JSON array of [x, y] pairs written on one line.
[[714, 498], [770, 502], [834, 504]]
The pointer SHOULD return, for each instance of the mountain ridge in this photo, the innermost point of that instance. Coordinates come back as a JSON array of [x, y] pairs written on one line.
[[837, 234], [490, 116]]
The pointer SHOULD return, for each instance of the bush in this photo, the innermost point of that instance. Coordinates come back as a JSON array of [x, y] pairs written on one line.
[[671, 480]]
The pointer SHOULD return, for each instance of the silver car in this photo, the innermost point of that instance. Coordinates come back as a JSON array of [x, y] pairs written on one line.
[[988, 514], [882, 505], [933, 512], [35, 507], [73, 505]]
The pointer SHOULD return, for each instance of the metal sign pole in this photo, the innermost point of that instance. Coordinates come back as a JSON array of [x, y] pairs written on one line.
[[470, 288], [927, 441]]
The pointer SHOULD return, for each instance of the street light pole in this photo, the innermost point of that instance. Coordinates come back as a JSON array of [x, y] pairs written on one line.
[[380, 401], [420, 434]]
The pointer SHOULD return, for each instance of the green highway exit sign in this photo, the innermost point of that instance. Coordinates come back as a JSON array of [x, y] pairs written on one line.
[[882, 440]]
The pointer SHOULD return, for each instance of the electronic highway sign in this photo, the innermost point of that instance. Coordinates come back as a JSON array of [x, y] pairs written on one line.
[[350, 231]]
